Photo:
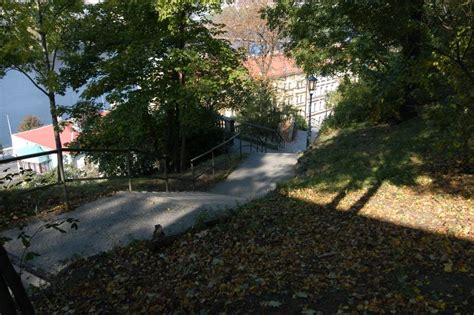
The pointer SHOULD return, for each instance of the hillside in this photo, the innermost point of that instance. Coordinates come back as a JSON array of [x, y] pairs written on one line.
[[376, 221]]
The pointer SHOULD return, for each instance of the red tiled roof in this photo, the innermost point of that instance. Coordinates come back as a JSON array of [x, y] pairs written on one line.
[[280, 66], [44, 136]]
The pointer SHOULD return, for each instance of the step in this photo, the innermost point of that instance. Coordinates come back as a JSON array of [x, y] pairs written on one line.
[[257, 175]]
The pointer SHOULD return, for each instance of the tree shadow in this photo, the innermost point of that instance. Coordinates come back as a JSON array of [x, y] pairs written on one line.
[[299, 254], [402, 155]]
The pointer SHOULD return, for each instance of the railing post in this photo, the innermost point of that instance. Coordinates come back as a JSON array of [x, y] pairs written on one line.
[[166, 174], [129, 172], [192, 172], [213, 166], [240, 146], [62, 177]]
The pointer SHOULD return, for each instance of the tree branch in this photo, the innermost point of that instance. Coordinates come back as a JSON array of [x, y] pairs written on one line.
[[55, 53], [468, 46], [456, 61], [31, 79]]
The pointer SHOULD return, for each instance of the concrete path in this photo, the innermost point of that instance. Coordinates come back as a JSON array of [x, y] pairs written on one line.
[[258, 174], [298, 145], [116, 221], [124, 217]]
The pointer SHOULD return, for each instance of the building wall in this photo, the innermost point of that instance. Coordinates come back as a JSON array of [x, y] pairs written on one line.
[[292, 90], [77, 161]]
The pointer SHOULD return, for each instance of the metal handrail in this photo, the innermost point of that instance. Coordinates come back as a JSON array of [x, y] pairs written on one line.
[[258, 126], [33, 155], [213, 165], [280, 141], [27, 156], [215, 148], [129, 174]]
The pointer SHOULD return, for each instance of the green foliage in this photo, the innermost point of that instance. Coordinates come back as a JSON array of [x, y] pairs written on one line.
[[300, 122], [162, 68], [405, 54], [31, 41], [452, 125], [260, 107], [169, 9], [30, 38], [11, 180], [50, 177], [118, 129], [350, 104]]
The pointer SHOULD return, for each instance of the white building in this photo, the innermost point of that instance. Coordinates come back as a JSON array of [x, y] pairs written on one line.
[[41, 140], [291, 86]]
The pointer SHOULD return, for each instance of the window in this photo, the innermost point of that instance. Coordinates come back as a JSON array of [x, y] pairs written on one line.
[[44, 167], [300, 98]]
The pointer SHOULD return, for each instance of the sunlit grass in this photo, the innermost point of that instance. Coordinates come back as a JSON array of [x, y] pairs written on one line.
[[389, 174]]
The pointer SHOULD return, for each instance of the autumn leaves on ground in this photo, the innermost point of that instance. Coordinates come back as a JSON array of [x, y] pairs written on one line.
[[375, 222]]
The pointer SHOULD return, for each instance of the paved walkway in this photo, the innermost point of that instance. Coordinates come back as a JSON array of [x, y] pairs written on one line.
[[116, 221], [258, 174], [124, 217]]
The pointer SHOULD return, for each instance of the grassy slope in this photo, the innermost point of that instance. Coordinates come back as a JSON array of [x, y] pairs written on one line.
[[374, 222]]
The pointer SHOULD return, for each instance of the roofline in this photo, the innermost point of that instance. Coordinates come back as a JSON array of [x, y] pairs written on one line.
[[286, 75], [14, 134]]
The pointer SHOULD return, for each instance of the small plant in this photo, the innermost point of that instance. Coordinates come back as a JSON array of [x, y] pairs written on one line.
[[26, 239], [51, 176], [201, 219], [11, 180]]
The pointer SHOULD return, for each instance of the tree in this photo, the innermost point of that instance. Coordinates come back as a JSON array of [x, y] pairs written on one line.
[[410, 57], [29, 122], [31, 43], [245, 27], [385, 42], [158, 60]]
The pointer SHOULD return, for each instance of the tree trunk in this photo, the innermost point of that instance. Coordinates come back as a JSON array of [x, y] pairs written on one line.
[[176, 127], [412, 52], [9, 278], [57, 138], [182, 162]]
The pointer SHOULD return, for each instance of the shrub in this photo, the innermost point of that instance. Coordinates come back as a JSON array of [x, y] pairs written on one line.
[[51, 177], [350, 104], [452, 125], [261, 108], [300, 122]]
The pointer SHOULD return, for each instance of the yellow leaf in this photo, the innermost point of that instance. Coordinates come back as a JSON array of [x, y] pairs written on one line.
[[448, 267], [464, 268]]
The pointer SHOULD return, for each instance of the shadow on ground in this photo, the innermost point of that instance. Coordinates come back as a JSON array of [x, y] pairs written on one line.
[[279, 255], [358, 231], [367, 157]]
